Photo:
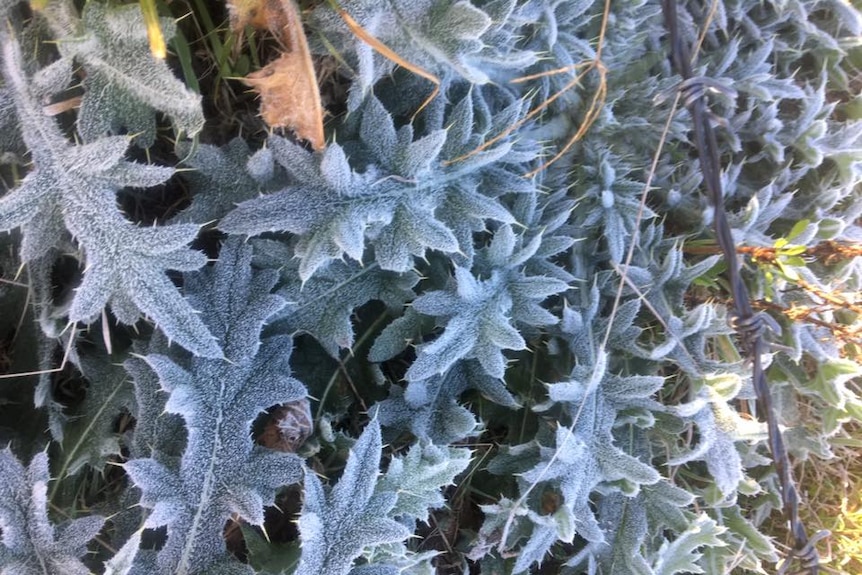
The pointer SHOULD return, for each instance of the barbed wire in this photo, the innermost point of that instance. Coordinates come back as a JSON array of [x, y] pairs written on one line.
[[749, 325]]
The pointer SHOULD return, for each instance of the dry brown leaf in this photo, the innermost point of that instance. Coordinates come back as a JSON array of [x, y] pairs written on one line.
[[260, 14], [287, 86], [289, 98]]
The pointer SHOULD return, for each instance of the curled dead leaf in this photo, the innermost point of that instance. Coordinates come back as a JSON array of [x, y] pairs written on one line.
[[287, 86], [289, 98]]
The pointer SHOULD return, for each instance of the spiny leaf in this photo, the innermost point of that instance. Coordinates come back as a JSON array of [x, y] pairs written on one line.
[[323, 305], [221, 472], [680, 556], [125, 83], [336, 526], [31, 544], [74, 187]]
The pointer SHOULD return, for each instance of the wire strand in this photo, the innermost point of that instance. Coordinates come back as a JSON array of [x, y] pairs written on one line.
[[752, 334]]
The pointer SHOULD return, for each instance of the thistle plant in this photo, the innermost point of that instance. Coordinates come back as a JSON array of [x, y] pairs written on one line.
[[493, 301]]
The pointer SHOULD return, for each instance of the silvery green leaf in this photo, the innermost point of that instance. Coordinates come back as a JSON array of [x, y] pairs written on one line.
[[419, 477], [429, 408], [741, 531], [335, 526], [125, 84], [31, 544], [323, 305], [717, 426], [665, 503], [444, 38], [409, 201], [534, 550], [218, 181], [680, 555], [623, 554], [331, 209], [73, 187], [481, 316], [396, 336], [123, 560], [221, 471]]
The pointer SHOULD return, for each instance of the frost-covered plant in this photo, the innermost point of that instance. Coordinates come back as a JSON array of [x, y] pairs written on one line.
[[31, 543], [506, 367], [220, 472], [70, 194]]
